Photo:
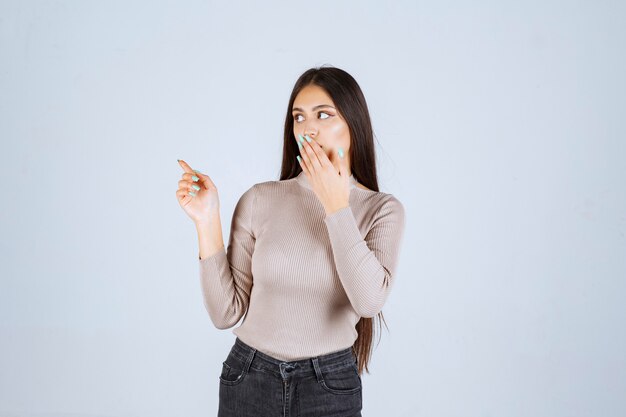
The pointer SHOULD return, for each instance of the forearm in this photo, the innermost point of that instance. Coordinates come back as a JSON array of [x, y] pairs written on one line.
[[366, 265], [210, 239], [364, 279]]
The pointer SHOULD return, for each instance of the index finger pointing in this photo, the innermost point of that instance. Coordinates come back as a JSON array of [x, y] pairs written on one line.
[[185, 166]]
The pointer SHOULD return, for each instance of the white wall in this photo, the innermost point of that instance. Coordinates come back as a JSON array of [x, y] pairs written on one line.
[[500, 127]]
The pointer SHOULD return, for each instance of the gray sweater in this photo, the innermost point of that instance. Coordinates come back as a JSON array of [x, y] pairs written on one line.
[[304, 277]]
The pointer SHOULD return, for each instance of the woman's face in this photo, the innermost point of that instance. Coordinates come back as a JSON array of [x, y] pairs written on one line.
[[314, 114]]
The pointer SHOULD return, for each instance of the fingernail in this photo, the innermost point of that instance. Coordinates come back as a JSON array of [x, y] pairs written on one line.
[[198, 172], [299, 160], [191, 193], [301, 138], [341, 152], [195, 187], [300, 145], [194, 178], [307, 138]]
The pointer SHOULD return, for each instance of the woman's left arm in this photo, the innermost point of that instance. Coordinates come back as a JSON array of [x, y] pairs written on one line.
[[366, 267]]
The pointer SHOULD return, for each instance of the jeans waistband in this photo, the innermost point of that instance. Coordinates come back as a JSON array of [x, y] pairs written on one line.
[[260, 360]]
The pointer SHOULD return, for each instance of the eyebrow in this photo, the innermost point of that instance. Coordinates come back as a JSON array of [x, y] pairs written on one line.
[[314, 108]]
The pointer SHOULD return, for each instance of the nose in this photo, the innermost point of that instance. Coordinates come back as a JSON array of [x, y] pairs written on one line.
[[313, 137], [310, 133], [309, 127]]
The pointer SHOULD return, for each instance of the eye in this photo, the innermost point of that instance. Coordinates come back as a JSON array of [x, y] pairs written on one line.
[[295, 118]]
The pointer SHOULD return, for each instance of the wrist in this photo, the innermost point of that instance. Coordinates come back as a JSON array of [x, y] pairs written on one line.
[[334, 209], [210, 220]]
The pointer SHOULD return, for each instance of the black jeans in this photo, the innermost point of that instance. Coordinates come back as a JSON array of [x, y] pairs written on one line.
[[254, 384]]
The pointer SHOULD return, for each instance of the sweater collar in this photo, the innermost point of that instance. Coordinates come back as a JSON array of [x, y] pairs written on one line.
[[302, 179]]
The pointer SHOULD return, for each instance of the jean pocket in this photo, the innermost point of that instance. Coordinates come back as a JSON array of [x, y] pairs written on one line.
[[344, 380], [233, 371]]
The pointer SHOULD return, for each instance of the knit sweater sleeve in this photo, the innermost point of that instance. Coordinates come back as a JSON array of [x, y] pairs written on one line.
[[226, 277], [366, 267]]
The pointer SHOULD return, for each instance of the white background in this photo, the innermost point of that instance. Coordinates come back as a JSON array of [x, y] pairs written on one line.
[[499, 125]]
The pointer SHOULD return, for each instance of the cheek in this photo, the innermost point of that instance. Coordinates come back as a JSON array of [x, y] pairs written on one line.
[[340, 134]]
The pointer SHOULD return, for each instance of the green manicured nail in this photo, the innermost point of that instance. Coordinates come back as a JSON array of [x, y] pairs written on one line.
[[195, 187], [194, 178], [299, 160], [191, 193], [340, 152], [307, 138], [299, 145], [301, 138]]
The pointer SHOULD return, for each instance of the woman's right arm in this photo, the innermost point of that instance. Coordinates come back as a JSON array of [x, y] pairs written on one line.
[[225, 277], [210, 239]]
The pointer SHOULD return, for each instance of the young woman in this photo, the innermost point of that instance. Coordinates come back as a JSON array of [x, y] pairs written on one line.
[[311, 260]]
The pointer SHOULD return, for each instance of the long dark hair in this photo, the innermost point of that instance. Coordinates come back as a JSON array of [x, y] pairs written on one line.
[[350, 103]]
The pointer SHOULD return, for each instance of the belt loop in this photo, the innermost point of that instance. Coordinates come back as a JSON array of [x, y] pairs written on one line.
[[318, 372], [250, 358]]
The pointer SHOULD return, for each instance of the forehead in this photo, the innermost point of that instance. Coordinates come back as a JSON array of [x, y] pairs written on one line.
[[310, 96]]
